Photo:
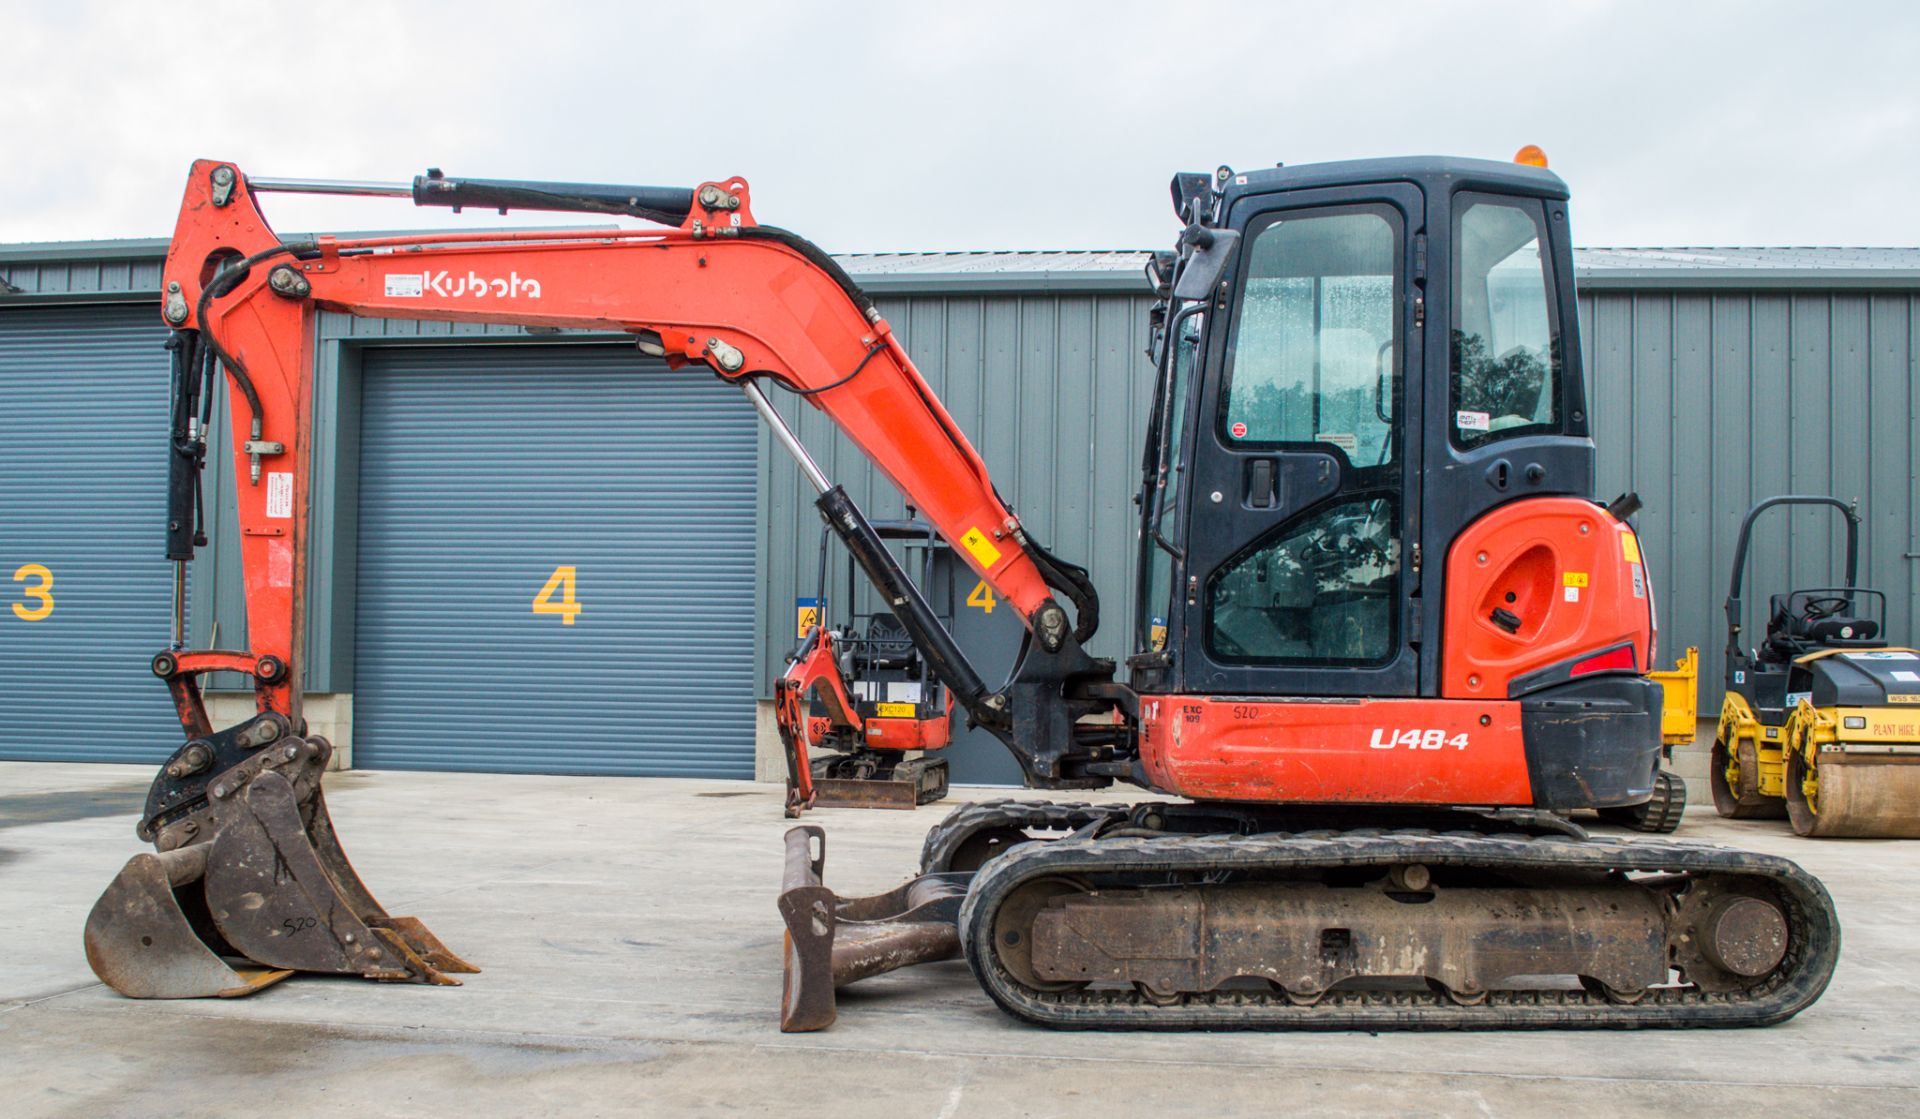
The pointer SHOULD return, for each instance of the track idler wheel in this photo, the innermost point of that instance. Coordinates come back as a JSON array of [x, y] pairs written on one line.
[[249, 885]]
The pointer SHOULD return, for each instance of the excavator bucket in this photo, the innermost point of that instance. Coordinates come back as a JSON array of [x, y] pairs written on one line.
[[141, 942], [832, 941], [249, 884]]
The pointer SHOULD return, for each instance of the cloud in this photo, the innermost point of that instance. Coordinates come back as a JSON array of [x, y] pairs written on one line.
[[978, 125]]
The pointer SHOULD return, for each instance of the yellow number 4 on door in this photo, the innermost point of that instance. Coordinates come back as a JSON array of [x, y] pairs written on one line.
[[561, 580]]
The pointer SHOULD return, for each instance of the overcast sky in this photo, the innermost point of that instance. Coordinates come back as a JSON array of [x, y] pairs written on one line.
[[970, 124]]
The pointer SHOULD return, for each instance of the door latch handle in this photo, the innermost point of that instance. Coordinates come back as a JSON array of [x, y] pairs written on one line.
[[1261, 490]]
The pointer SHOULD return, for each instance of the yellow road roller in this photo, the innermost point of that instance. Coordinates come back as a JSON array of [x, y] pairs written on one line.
[[1821, 720]]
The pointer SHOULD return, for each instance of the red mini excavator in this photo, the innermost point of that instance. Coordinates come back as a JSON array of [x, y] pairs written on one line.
[[1385, 640], [857, 699]]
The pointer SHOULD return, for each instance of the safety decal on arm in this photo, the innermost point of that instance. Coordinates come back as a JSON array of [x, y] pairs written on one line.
[[983, 550]]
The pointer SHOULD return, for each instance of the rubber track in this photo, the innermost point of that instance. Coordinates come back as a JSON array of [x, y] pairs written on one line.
[[1661, 814], [1031, 815], [1813, 935]]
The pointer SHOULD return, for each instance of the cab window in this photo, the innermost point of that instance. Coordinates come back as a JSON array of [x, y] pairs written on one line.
[[1313, 355], [1321, 590], [1506, 364]]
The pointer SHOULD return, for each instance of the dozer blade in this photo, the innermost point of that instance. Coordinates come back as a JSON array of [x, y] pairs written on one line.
[[1857, 793], [249, 886], [832, 941], [906, 784]]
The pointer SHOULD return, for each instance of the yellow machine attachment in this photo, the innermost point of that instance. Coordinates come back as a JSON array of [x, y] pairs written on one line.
[[1680, 708], [1748, 767]]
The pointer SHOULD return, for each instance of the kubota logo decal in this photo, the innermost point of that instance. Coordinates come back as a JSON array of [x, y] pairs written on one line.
[[446, 285]]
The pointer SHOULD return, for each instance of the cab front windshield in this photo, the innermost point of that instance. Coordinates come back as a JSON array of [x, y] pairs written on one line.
[[1159, 510]]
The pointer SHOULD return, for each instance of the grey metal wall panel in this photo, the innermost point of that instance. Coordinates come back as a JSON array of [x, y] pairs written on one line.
[[482, 469], [1053, 392], [83, 435], [1705, 402]]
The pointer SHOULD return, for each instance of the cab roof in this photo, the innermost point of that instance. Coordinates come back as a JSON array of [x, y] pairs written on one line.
[[1445, 173]]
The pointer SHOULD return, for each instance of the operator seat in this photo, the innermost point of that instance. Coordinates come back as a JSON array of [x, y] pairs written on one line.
[[1793, 630]]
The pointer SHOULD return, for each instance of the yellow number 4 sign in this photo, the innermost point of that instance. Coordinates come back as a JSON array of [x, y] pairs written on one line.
[[561, 580]]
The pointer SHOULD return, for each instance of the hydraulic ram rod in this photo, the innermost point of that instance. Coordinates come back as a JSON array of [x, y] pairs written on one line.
[[655, 203], [331, 186]]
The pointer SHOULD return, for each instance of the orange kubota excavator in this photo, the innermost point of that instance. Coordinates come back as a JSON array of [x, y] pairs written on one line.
[[1385, 641]]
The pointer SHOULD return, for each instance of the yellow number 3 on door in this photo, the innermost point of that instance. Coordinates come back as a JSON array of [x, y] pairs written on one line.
[[42, 590]]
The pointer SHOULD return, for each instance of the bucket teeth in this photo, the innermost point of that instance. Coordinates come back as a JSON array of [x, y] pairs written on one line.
[[426, 945], [259, 889]]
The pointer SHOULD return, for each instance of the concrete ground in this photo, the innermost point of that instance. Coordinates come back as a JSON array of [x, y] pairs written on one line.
[[631, 949]]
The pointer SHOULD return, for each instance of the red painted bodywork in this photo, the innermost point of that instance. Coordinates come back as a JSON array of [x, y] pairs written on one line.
[[1570, 569], [1336, 751]]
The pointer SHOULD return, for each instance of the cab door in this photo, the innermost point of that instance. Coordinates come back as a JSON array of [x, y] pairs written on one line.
[[1303, 490]]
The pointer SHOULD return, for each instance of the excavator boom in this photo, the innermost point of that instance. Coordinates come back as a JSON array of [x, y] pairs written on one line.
[[756, 305]]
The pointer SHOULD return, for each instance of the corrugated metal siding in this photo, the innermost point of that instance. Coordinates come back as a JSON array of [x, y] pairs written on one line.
[[482, 469], [1703, 402], [1054, 393], [1708, 402], [83, 436], [113, 276], [1694, 371]]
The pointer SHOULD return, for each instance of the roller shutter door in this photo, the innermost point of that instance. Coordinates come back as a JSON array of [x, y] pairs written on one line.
[[83, 435], [486, 473]]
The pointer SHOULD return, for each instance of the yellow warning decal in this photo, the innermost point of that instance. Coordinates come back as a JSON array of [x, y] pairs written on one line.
[[982, 548], [1630, 546], [1574, 579], [893, 710]]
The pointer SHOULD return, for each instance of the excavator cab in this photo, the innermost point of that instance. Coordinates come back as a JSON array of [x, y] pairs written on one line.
[[1318, 445], [1368, 372]]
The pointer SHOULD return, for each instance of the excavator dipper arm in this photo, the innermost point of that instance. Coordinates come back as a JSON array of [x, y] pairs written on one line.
[[755, 304]]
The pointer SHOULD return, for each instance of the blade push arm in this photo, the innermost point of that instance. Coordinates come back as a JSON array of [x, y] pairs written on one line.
[[752, 303]]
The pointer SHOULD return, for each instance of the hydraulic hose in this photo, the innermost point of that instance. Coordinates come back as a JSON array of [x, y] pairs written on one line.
[[222, 285]]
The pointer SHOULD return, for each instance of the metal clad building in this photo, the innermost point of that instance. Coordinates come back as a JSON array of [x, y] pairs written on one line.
[[577, 565], [83, 403], [1716, 377]]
